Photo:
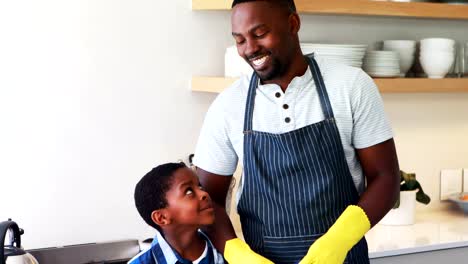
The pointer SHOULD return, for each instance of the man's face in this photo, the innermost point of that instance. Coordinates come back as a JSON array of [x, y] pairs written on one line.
[[263, 37], [188, 203]]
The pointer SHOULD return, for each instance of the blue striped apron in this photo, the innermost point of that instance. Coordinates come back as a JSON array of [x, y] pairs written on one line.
[[296, 184]]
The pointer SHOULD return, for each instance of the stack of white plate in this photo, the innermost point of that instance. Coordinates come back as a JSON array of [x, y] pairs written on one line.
[[382, 63], [234, 65], [348, 54]]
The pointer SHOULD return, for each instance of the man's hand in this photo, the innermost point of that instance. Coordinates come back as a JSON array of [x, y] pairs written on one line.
[[237, 251], [334, 245]]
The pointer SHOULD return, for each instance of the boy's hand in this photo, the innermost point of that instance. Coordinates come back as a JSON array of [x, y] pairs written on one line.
[[237, 251], [334, 245]]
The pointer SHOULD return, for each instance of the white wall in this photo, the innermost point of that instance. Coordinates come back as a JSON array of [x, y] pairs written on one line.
[[93, 94]]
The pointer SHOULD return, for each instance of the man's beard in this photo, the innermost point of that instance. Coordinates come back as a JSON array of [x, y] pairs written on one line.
[[277, 70]]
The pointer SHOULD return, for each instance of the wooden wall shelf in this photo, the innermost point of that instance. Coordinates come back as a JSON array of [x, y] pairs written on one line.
[[386, 85], [359, 7], [367, 8]]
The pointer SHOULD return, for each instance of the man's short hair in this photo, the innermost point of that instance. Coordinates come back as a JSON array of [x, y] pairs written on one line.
[[289, 4], [150, 191]]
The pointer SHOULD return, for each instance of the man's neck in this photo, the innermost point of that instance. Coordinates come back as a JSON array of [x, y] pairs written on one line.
[[298, 67], [188, 244]]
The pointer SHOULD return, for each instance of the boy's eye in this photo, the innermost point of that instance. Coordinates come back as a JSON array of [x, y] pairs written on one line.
[[200, 187], [189, 191]]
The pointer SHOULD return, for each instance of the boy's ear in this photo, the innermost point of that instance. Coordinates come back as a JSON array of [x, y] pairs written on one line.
[[160, 217]]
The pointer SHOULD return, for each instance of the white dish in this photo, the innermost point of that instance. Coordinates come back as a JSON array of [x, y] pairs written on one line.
[[432, 44], [383, 75], [399, 44], [436, 65], [356, 46]]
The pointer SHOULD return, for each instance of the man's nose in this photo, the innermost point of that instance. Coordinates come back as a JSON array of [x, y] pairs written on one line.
[[251, 48]]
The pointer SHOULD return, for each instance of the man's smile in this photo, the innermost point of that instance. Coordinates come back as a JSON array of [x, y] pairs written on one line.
[[259, 62]]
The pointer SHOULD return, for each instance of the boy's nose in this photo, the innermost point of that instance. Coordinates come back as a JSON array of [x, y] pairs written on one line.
[[204, 195]]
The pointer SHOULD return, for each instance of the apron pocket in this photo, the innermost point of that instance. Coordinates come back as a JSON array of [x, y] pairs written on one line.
[[288, 250]]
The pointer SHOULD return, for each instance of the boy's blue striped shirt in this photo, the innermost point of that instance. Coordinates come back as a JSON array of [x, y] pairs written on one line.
[[161, 252]]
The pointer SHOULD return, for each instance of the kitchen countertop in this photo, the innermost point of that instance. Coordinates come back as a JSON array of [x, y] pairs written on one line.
[[431, 231]]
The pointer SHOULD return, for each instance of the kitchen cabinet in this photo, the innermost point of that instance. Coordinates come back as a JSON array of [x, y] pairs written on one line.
[[367, 8]]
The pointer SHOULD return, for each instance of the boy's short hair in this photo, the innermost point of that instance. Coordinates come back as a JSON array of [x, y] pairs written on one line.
[[285, 3], [150, 191]]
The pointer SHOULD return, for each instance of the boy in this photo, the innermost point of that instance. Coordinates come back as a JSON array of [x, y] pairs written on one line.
[[170, 199]]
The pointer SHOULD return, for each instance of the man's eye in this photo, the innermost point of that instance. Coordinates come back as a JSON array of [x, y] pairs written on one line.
[[239, 40], [189, 191], [200, 187], [260, 34]]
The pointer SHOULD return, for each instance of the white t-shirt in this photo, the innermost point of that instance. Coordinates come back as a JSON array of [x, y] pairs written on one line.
[[355, 100]]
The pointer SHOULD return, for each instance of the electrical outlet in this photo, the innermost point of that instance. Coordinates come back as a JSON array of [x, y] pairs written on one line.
[[450, 182], [465, 180]]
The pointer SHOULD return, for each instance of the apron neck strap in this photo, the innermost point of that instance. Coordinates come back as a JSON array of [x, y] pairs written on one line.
[[319, 84]]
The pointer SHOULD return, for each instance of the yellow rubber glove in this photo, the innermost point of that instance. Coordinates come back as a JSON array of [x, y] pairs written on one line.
[[237, 251], [334, 245]]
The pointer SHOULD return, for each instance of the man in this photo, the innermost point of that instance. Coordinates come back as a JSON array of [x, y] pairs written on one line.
[[309, 134]]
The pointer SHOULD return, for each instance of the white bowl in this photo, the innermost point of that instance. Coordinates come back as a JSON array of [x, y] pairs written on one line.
[[380, 52], [437, 53], [406, 59], [437, 44], [406, 53], [399, 44], [433, 55], [438, 41], [405, 65], [434, 48], [436, 65], [403, 52]]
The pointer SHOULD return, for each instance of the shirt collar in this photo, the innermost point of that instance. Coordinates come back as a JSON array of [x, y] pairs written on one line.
[[296, 83], [162, 250]]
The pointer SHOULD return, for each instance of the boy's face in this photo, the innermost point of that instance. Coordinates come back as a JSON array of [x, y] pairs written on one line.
[[188, 203]]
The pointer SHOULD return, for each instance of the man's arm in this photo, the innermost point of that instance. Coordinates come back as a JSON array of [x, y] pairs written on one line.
[[380, 167], [217, 186], [222, 233]]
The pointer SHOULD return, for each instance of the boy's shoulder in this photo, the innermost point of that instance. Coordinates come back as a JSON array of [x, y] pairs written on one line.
[[161, 252], [217, 257], [144, 257]]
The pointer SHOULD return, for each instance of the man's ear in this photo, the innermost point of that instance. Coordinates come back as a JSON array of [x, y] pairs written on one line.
[[161, 217], [294, 23]]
